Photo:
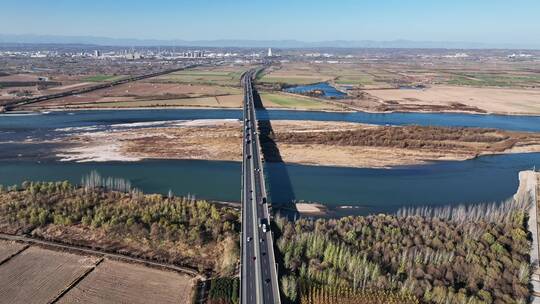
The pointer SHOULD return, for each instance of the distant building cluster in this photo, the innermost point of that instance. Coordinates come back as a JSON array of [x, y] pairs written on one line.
[[193, 54], [457, 55], [325, 55], [514, 56], [168, 53], [172, 53]]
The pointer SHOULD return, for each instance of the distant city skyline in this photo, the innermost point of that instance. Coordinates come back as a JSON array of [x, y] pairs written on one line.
[[494, 22]]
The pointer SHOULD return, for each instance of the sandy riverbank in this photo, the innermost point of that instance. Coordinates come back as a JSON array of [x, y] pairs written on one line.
[[301, 142], [310, 209]]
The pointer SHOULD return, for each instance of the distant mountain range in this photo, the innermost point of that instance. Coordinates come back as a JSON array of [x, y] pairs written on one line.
[[104, 41]]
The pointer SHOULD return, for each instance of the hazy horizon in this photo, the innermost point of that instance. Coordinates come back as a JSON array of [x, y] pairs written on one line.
[[481, 22], [243, 43]]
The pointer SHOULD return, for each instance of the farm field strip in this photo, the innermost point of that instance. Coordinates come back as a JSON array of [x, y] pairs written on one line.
[[38, 275], [227, 101], [49, 274], [98, 253], [9, 249], [494, 100], [117, 282], [220, 75]]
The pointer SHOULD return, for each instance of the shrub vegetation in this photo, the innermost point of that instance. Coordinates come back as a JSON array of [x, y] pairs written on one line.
[[224, 291]]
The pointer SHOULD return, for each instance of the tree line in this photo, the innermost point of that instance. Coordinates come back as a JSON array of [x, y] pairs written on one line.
[[178, 230], [475, 254]]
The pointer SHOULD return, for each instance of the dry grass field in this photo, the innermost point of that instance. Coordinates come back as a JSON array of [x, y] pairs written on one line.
[[38, 275], [492, 100], [291, 101], [118, 282]]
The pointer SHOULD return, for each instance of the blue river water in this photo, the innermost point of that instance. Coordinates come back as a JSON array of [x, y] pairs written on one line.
[[344, 190], [15, 125]]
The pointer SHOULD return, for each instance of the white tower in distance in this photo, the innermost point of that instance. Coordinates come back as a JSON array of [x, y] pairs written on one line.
[[269, 52]]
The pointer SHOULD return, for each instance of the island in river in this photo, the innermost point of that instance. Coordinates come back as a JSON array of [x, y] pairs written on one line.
[[303, 142]]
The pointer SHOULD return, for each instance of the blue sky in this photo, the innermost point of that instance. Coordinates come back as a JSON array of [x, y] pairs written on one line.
[[488, 21]]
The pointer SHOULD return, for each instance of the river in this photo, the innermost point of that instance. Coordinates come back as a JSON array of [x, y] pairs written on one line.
[[345, 190]]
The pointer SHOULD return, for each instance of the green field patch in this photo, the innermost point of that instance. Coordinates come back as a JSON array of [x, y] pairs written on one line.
[[224, 290], [496, 80], [355, 79]]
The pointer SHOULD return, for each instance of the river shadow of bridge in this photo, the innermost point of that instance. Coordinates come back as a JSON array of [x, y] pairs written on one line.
[[278, 180]]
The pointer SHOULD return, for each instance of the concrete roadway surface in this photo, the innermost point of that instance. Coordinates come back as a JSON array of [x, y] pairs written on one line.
[[258, 274]]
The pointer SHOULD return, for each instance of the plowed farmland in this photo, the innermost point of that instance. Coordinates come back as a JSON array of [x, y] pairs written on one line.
[[38, 275], [117, 282]]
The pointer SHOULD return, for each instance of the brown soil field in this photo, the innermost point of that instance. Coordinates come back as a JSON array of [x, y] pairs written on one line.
[[314, 143], [492, 100], [8, 94], [229, 101], [139, 92], [147, 89], [118, 282], [38, 275], [233, 101], [71, 86], [19, 77], [9, 248]]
